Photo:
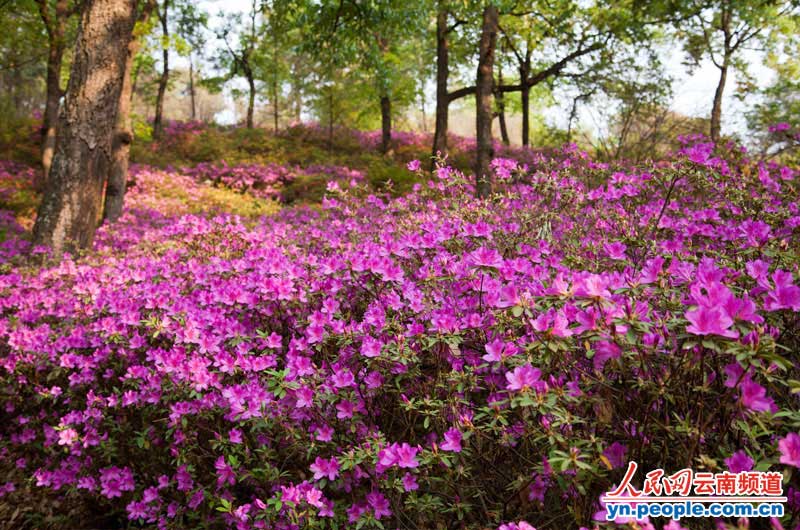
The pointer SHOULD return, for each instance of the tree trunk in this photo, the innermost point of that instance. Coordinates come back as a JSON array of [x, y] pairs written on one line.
[[275, 114], [442, 75], [483, 101], [716, 109], [501, 111], [121, 143], [525, 96], [191, 88], [386, 123], [68, 215], [330, 118], [55, 31], [158, 125], [251, 101]]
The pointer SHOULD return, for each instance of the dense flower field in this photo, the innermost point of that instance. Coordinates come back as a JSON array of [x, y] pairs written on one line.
[[427, 361]]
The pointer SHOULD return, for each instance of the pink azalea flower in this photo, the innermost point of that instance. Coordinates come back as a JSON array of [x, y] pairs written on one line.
[[710, 321], [523, 377], [790, 449], [738, 462], [452, 441], [325, 468]]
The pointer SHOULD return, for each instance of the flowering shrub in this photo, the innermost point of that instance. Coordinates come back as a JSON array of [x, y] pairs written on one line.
[[410, 362], [266, 181]]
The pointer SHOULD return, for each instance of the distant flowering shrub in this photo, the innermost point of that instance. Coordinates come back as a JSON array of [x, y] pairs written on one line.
[[266, 181], [410, 362]]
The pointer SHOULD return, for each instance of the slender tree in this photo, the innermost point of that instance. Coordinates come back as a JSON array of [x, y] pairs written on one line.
[[484, 88], [56, 18], [163, 81], [720, 30], [72, 202]]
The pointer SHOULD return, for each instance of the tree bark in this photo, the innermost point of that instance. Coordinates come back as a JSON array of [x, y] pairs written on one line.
[[251, 100], [386, 123], [55, 24], [716, 109], [121, 143], [525, 97], [158, 125], [68, 215], [483, 101], [501, 111], [191, 88], [442, 75], [275, 114]]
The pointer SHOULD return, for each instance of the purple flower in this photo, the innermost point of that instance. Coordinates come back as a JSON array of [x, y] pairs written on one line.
[[710, 321], [325, 468], [616, 454], [738, 462], [410, 482], [225, 474], [523, 378], [114, 480], [452, 441], [379, 505], [754, 397], [790, 449], [486, 257], [414, 165], [399, 455]]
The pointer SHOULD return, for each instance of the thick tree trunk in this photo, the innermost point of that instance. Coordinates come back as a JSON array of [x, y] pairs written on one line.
[[158, 125], [483, 101], [191, 88], [70, 208], [442, 75], [386, 124], [251, 101], [121, 143], [716, 109], [55, 23]]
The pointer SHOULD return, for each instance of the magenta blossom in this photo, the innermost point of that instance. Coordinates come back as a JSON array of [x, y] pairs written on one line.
[[523, 378], [452, 441], [738, 462], [790, 449], [710, 321]]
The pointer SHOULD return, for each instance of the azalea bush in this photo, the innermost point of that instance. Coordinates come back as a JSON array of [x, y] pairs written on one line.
[[423, 361]]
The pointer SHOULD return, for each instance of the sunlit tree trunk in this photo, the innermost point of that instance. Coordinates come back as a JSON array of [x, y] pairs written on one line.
[[121, 143], [72, 201], [483, 101]]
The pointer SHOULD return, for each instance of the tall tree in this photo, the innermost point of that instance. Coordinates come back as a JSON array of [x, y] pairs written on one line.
[[720, 30], [163, 81], [190, 25], [484, 88], [241, 57], [55, 17], [123, 134], [70, 209]]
